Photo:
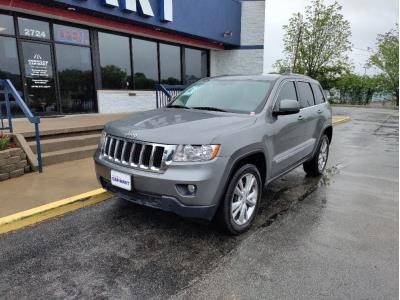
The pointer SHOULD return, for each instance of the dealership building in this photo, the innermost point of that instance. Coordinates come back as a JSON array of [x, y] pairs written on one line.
[[88, 56]]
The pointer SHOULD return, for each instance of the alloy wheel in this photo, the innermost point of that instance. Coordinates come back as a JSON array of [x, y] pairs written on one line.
[[244, 199], [323, 155]]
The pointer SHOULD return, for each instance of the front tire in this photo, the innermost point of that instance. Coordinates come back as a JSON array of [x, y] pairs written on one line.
[[316, 166], [241, 201]]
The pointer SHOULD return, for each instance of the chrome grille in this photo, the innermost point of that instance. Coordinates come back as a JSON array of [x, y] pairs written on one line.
[[137, 154]]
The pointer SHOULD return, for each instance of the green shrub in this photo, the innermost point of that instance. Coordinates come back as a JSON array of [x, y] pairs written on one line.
[[4, 141]]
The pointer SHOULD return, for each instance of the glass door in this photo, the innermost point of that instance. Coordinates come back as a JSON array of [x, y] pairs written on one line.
[[39, 77]]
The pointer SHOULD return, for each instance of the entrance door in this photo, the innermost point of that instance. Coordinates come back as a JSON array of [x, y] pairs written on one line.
[[39, 77]]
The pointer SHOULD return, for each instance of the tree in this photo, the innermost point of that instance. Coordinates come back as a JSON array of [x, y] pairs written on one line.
[[357, 89], [317, 42], [386, 59]]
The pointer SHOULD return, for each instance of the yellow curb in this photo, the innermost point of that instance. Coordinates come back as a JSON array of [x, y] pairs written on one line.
[[340, 120], [51, 210]]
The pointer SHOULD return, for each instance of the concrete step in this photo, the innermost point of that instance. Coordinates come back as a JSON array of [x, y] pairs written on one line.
[[54, 157], [65, 143]]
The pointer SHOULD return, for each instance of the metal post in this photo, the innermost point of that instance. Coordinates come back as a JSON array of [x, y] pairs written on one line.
[[38, 147], [157, 96], [8, 109], [1, 117]]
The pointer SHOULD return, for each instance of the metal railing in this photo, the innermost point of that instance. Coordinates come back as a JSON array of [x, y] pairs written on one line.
[[165, 93], [9, 90]]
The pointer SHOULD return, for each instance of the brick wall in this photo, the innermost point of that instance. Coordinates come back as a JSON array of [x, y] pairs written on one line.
[[13, 163], [246, 61]]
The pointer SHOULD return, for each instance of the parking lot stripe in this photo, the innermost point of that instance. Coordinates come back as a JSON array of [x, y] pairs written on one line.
[[51, 210], [338, 120]]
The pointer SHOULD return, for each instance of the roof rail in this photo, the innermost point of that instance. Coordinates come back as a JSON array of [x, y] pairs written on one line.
[[295, 74]]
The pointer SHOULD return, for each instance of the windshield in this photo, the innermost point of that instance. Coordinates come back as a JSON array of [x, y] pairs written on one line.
[[241, 96]]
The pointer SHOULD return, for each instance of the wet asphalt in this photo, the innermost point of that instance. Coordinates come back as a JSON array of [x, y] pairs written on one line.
[[332, 237]]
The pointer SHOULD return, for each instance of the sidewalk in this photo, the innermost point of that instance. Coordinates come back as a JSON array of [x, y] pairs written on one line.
[[66, 124], [55, 183]]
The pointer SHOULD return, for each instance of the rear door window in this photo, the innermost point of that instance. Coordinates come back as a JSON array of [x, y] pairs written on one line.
[[319, 97], [306, 96]]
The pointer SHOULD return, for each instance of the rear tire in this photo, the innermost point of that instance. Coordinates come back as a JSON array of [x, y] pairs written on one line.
[[241, 201], [316, 166]]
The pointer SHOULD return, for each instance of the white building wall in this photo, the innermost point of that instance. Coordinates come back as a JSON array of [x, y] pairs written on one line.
[[249, 58], [125, 101]]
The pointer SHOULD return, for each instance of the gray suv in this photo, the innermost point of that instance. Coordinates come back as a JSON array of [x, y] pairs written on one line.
[[214, 148]]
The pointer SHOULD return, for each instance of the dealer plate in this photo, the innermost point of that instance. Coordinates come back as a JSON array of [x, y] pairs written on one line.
[[121, 180]]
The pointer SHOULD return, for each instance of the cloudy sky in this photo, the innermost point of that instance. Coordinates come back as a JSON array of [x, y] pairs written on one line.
[[367, 19]]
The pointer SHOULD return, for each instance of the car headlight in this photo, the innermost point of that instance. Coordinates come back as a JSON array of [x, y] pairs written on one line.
[[193, 153]]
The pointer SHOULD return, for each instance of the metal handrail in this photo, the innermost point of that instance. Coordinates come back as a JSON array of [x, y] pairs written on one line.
[[166, 92], [9, 89]]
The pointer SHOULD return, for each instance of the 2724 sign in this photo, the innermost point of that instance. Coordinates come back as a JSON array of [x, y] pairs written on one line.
[[34, 33]]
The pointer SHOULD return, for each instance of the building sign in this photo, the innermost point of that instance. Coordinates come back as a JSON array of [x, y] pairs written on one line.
[[34, 33], [67, 35], [166, 13], [38, 70]]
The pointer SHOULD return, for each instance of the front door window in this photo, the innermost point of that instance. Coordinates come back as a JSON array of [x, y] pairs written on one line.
[[39, 77]]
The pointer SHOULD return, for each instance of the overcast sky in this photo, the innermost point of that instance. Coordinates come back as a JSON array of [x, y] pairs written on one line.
[[367, 19]]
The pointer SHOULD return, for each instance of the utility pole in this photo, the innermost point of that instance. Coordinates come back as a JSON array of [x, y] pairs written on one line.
[[299, 32]]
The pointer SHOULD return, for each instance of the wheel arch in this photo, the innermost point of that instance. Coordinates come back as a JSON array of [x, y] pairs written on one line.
[[253, 154]]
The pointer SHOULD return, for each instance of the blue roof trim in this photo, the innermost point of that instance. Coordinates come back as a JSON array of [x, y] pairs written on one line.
[[250, 47]]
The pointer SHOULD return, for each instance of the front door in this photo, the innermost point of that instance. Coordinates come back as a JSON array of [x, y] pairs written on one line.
[[288, 141], [39, 77]]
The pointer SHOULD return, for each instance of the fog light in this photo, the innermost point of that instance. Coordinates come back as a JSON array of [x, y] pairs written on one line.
[[186, 189], [191, 188]]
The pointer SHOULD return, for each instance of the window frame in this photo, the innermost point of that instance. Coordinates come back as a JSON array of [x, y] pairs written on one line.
[[13, 22], [281, 84], [96, 32], [318, 86], [97, 41], [298, 93], [183, 53]]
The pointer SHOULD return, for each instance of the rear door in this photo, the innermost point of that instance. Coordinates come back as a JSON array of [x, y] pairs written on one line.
[[321, 111], [308, 118]]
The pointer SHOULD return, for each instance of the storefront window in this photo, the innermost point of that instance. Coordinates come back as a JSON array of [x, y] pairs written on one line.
[[33, 28], [6, 25], [170, 64], [39, 77], [71, 35], [75, 77], [9, 68], [195, 65], [145, 65], [114, 61]]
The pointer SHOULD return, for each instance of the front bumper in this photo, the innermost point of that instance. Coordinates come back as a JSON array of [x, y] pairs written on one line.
[[159, 190]]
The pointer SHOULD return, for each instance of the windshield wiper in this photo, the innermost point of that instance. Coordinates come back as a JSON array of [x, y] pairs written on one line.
[[209, 108], [178, 106]]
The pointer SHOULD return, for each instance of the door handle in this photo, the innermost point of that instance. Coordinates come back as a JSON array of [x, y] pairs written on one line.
[[300, 118], [319, 111]]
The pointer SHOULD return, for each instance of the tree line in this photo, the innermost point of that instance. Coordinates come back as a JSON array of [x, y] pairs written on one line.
[[317, 44]]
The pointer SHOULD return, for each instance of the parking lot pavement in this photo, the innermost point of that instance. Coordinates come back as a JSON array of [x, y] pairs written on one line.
[[334, 237]]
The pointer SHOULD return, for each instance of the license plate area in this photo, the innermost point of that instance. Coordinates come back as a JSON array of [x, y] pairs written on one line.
[[121, 180]]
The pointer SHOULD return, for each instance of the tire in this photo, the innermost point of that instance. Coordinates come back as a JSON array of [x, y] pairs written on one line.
[[245, 206], [316, 166]]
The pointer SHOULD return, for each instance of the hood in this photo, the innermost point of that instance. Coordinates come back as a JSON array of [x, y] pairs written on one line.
[[179, 126]]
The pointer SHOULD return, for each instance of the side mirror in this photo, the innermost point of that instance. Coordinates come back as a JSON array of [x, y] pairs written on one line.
[[287, 107]]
